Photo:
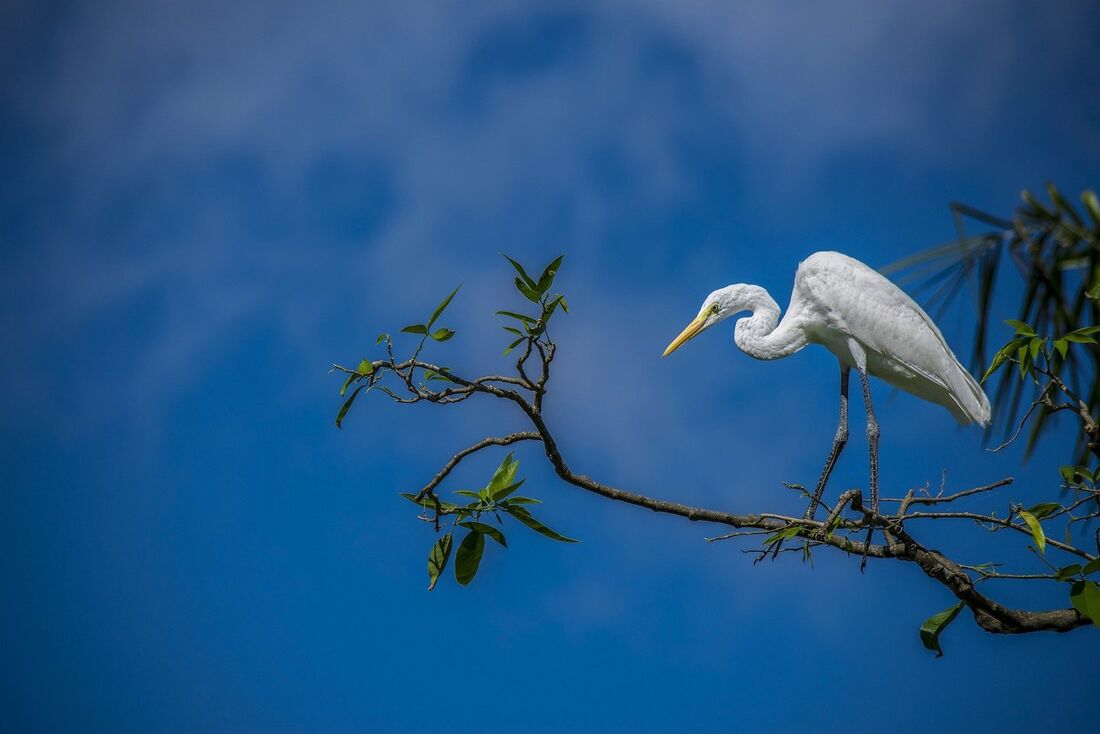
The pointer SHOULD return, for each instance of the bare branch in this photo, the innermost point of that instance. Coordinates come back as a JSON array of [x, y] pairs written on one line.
[[941, 499], [991, 520], [482, 444]]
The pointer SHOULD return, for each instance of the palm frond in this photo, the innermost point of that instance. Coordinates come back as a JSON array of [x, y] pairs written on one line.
[[1055, 252]]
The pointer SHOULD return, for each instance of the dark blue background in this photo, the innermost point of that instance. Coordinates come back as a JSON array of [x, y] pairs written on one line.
[[202, 205]]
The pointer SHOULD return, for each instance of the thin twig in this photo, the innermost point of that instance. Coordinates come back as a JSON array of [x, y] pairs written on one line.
[[483, 443]]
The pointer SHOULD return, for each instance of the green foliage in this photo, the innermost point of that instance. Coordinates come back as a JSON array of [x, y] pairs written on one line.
[[530, 327], [369, 372], [1036, 530], [1039, 364], [484, 529], [524, 516], [791, 531], [934, 626], [1055, 248], [1085, 598], [347, 403], [498, 498], [437, 559], [495, 500], [468, 557], [1080, 476], [425, 329]]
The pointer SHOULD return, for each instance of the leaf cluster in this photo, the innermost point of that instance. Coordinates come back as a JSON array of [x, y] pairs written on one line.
[[478, 514], [492, 502], [537, 291], [1054, 248]]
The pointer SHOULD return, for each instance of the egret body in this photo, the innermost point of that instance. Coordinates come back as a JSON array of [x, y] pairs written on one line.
[[869, 323]]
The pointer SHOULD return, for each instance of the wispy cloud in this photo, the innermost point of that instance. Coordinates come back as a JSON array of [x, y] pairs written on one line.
[[487, 128]]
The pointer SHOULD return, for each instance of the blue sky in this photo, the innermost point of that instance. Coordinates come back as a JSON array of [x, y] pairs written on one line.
[[204, 205]]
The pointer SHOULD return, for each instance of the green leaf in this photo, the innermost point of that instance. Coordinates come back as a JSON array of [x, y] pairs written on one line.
[[548, 273], [1082, 336], [1014, 344], [1036, 530], [489, 530], [1088, 198], [998, 360], [347, 405], [785, 534], [552, 306], [1003, 354], [514, 344], [1091, 567], [468, 493], [934, 626], [503, 492], [1043, 509], [1061, 345], [427, 502], [522, 273], [1021, 327], [1094, 292], [382, 338], [528, 292], [1061, 204], [513, 330], [347, 383], [807, 554], [442, 335], [365, 368], [468, 557], [1036, 344], [415, 329], [503, 475], [1085, 598], [521, 501], [1039, 209], [437, 559], [439, 309], [527, 320], [1067, 572], [525, 517], [430, 375]]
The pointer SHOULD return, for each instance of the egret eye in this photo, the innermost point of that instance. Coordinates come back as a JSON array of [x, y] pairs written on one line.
[[714, 308]]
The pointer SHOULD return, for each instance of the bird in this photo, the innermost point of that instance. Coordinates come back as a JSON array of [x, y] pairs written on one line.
[[868, 323]]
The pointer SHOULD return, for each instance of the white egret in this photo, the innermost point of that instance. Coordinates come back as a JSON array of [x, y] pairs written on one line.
[[868, 323]]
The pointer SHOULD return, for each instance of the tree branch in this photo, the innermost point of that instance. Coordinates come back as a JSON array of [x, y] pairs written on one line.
[[482, 444], [900, 544]]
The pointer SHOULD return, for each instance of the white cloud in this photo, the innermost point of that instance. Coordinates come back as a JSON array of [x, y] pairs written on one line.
[[134, 91]]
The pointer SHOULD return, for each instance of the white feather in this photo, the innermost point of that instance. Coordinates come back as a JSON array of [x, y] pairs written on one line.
[[837, 299]]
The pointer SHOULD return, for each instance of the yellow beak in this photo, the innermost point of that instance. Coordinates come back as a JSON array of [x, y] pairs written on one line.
[[687, 334]]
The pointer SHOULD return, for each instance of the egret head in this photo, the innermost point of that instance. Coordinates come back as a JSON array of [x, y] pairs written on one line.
[[719, 305]]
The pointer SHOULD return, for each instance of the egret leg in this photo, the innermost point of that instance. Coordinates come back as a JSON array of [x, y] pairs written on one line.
[[872, 444], [839, 441], [872, 437]]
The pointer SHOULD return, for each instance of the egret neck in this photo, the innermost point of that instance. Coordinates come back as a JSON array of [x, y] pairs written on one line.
[[761, 335]]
